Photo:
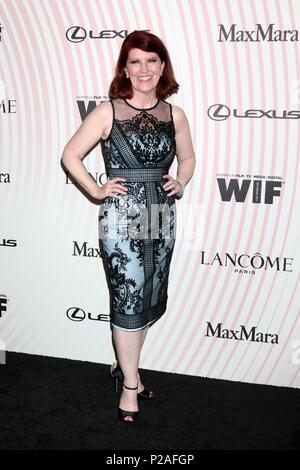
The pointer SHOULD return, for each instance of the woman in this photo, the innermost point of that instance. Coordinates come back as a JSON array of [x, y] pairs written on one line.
[[140, 134]]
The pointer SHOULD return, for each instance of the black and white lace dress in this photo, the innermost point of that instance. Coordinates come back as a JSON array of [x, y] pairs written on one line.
[[137, 231]]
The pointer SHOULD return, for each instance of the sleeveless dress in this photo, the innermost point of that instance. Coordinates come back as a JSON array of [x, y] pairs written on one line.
[[137, 231]]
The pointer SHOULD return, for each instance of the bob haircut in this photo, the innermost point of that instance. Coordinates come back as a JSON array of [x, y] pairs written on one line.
[[121, 86]]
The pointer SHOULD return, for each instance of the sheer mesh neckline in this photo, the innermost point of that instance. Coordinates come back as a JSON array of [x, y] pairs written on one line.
[[141, 109]]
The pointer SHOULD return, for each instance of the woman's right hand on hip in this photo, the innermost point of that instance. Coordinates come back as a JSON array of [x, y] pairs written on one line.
[[112, 188]]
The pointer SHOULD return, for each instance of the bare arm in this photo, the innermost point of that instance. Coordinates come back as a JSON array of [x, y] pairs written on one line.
[[184, 147], [87, 135], [185, 155]]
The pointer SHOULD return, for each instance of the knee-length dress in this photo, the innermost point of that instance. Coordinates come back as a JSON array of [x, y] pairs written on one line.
[[137, 231]]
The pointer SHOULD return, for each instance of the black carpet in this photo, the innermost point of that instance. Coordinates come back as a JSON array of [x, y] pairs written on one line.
[[50, 403]]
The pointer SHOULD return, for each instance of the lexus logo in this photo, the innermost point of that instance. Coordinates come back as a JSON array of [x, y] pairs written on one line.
[[218, 112], [76, 34], [79, 34], [76, 314]]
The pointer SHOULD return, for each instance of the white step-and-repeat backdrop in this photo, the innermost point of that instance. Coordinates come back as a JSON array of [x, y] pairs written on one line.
[[233, 309]]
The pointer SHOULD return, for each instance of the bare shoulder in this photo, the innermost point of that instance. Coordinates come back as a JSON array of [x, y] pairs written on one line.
[[99, 113], [103, 114], [104, 110], [105, 106], [179, 117]]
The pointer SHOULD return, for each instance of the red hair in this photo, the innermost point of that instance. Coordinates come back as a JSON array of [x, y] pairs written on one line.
[[120, 86]]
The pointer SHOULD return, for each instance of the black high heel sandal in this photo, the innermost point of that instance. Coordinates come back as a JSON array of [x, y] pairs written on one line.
[[117, 375], [124, 414]]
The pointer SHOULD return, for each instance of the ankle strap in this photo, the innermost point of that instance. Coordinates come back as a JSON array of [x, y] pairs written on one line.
[[129, 388]]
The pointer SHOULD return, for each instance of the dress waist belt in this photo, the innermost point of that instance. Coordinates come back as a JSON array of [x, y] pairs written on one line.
[[136, 175]]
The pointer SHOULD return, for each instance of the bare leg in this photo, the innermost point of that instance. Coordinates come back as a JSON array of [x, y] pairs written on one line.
[[128, 348], [142, 340], [143, 337], [144, 334]]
